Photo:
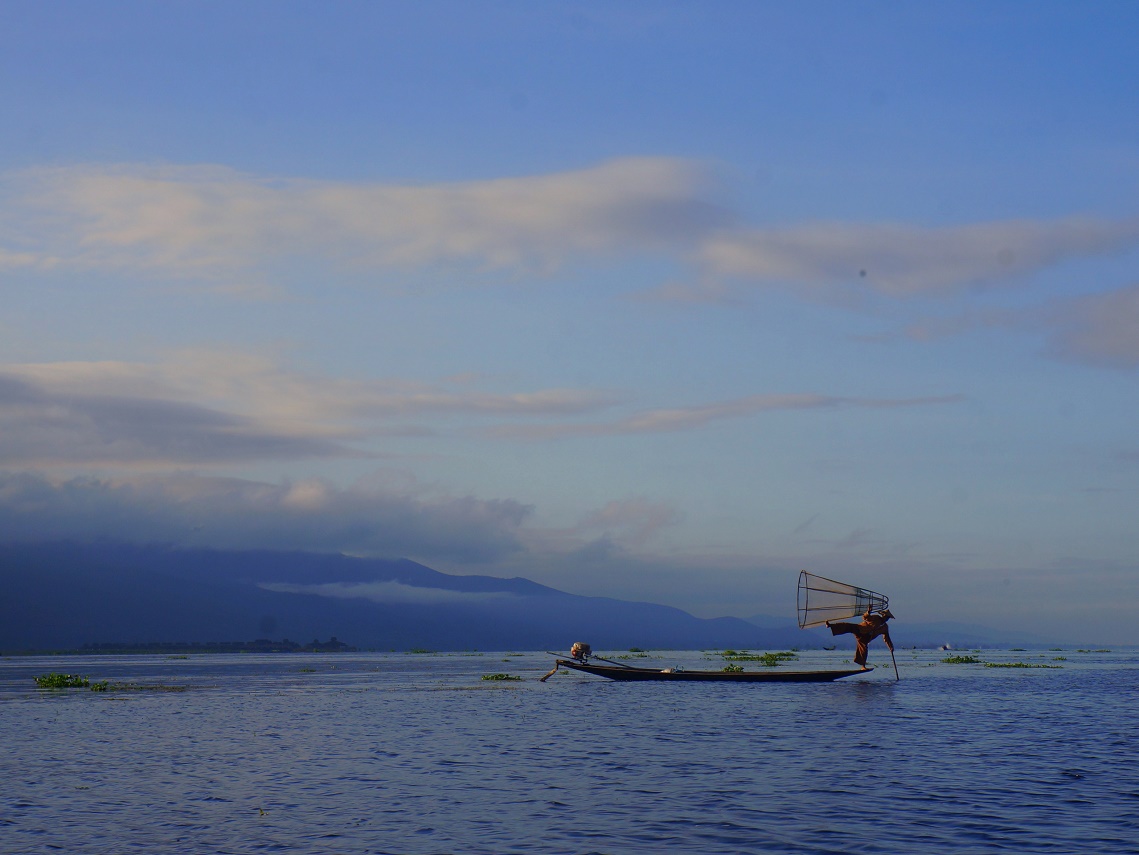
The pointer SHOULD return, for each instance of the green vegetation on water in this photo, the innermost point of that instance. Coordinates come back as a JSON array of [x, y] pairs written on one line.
[[1018, 665], [768, 660], [500, 677], [733, 669], [961, 660], [55, 680]]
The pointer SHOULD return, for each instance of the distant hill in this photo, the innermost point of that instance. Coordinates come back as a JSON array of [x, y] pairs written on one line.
[[64, 595]]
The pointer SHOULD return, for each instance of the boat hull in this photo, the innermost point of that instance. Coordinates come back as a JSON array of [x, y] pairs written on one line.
[[775, 675]]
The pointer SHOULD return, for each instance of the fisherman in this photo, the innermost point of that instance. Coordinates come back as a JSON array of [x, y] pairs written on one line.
[[873, 625]]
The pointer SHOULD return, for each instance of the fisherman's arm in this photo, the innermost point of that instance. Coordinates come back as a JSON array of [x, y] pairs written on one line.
[[886, 637]]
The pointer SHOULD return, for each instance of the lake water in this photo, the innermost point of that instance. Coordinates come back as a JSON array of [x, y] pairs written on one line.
[[405, 753]]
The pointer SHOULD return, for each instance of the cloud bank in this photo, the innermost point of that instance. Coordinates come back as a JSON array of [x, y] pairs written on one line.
[[190, 510]]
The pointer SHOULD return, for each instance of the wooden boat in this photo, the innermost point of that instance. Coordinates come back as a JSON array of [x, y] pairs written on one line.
[[773, 675]]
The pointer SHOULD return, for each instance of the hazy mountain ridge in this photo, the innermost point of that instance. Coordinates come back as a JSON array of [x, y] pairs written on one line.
[[64, 595]]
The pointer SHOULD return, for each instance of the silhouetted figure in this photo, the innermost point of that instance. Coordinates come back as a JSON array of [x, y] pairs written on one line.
[[873, 625]]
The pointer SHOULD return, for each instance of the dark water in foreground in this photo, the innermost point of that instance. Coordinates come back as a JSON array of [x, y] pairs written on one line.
[[393, 753]]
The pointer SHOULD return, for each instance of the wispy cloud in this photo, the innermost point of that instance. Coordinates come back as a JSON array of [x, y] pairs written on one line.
[[218, 225], [208, 407], [1100, 329], [204, 221], [691, 418], [899, 260], [631, 521]]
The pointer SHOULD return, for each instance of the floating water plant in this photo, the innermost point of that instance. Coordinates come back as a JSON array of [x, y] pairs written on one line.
[[500, 677], [101, 686], [1018, 665], [961, 660], [55, 680], [732, 669], [769, 660]]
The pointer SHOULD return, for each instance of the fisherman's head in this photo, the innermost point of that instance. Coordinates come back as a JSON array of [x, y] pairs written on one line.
[[886, 614]]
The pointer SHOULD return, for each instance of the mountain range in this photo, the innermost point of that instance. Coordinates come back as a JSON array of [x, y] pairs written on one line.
[[61, 596]]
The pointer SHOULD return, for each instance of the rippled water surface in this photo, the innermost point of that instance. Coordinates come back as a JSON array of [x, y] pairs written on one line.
[[403, 753]]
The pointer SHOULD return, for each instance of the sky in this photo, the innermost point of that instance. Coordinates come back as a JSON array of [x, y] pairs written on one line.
[[663, 301]]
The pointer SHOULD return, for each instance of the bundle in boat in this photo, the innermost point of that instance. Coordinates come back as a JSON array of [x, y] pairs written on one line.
[[821, 599]]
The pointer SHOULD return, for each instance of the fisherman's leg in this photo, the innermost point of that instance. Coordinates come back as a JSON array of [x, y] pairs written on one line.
[[860, 653], [842, 628]]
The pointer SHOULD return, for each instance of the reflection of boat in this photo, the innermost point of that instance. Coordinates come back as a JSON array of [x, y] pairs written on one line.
[[774, 675]]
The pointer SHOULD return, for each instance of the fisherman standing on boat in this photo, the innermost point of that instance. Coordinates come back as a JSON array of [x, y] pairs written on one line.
[[873, 625]]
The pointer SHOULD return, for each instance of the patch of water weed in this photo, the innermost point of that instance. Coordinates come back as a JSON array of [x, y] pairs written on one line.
[[1018, 665], [768, 660], [1059, 658], [1094, 651], [732, 669], [961, 660], [500, 677], [56, 680], [421, 650]]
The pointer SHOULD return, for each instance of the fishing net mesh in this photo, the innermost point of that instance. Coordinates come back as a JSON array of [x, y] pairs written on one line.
[[821, 599]]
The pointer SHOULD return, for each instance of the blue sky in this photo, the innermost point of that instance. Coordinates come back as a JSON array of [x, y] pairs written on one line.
[[662, 301]]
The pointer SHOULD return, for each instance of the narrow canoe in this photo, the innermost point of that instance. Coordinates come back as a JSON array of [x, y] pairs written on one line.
[[774, 675]]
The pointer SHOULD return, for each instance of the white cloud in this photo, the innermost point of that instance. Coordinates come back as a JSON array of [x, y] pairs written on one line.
[[208, 221], [902, 260], [235, 232]]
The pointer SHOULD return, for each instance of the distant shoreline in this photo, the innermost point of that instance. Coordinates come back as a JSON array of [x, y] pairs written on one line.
[[260, 645]]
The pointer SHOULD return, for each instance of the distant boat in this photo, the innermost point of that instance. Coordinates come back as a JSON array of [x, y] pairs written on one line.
[[627, 673]]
